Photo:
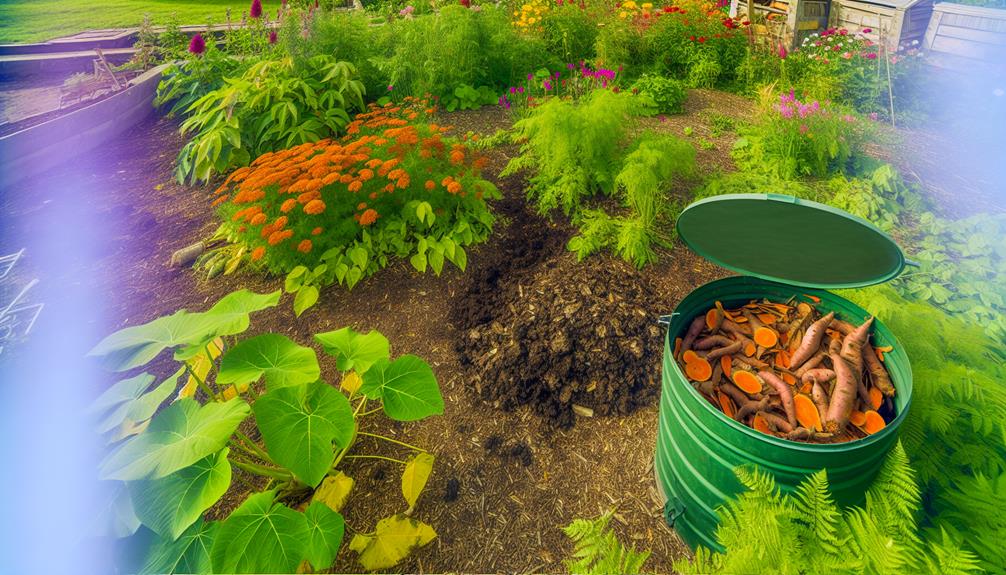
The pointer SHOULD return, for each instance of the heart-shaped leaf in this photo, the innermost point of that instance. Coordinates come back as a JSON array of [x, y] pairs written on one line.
[[281, 361], [115, 516], [306, 297], [141, 407], [394, 539], [406, 386], [354, 350], [230, 316], [417, 473], [171, 504], [179, 436], [327, 528], [299, 427], [123, 391], [260, 537], [190, 553]]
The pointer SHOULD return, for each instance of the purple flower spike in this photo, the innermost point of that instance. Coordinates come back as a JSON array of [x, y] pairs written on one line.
[[273, 37], [197, 46], [256, 9]]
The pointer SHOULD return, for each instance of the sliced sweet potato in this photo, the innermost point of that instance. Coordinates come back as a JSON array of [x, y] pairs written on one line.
[[714, 319], [807, 413], [698, 369], [874, 422], [677, 347], [747, 381], [789, 378], [689, 356], [760, 424], [857, 418], [726, 404], [766, 318], [876, 398], [766, 337], [727, 365], [782, 359]]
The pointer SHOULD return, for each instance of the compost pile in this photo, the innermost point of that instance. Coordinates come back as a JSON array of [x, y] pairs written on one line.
[[565, 338], [788, 371]]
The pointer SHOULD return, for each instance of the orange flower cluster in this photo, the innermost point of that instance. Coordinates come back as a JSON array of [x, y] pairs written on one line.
[[282, 197]]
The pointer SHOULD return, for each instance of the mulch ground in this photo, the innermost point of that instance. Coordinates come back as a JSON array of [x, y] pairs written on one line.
[[516, 341]]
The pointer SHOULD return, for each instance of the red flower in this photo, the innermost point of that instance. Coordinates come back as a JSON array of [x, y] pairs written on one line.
[[273, 37]]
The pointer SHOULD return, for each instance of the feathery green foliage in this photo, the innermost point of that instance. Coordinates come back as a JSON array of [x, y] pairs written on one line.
[[598, 551], [578, 151], [805, 532]]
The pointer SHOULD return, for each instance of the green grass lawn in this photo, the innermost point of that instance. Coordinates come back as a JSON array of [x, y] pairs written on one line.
[[38, 20]]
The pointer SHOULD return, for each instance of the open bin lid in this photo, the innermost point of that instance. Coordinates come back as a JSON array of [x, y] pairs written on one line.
[[788, 240]]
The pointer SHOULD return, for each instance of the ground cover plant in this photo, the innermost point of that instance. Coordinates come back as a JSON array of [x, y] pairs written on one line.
[[339, 210], [173, 447]]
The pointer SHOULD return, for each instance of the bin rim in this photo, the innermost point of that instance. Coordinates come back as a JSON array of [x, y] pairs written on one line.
[[856, 444]]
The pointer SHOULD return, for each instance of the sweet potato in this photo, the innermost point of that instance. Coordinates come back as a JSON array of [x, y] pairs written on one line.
[[712, 341], [853, 344], [737, 395], [751, 406], [876, 398], [726, 364], [714, 318], [698, 369], [811, 341], [820, 397], [785, 394], [857, 418], [745, 360], [736, 328], [843, 398], [724, 351], [774, 421], [760, 424], [809, 364], [881, 379], [874, 422], [781, 359], [819, 375], [693, 332], [727, 405], [689, 356], [766, 337]]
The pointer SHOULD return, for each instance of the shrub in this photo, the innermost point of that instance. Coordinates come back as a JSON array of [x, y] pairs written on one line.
[[186, 81], [577, 150], [667, 94], [273, 105], [393, 187], [171, 448], [794, 138], [569, 31]]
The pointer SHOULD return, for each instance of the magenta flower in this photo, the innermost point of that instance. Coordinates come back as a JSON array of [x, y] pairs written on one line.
[[867, 30], [782, 52], [197, 46], [548, 86], [871, 56], [465, 3], [390, 88], [256, 9], [273, 37]]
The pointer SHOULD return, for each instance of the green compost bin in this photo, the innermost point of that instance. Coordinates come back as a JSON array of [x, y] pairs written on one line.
[[786, 248]]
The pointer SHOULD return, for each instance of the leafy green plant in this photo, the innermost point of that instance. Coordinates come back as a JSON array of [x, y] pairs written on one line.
[[569, 31], [188, 80], [272, 105], [466, 97], [337, 212], [880, 196], [577, 151], [805, 532], [172, 448], [597, 549], [668, 94]]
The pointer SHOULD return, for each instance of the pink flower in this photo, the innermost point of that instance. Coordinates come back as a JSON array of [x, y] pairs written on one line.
[[871, 56], [466, 3], [273, 37], [847, 55], [256, 9], [867, 30], [803, 128], [782, 52], [197, 46]]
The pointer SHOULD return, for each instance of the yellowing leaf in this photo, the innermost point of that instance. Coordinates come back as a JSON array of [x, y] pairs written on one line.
[[351, 382], [394, 539], [129, 428], [334, 490], [414, 478], [200, 364]]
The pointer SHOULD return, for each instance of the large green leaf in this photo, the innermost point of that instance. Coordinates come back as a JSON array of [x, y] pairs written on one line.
[[141, 407], [260, 537], [190, 553], [115, 515], [414, 477], [354, 350], [406, 386], [179, 436], [171, 504], [281, 361], [327, 528], [299, 426], [123, 391], [394, 539], [137, 345]]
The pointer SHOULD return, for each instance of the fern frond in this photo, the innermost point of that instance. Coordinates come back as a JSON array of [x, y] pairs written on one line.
[[598, 551]]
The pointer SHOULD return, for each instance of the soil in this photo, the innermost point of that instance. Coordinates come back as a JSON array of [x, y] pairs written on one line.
[[504, 481]]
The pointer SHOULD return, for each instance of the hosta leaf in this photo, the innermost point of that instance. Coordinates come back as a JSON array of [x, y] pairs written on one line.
[[281, 361], [299, 426], [327, 528], [414, 478], [394, 539], [141, 408], [354, 350], [334, 491], [179, 436], [306, 297], [406, 386], [171, 504], [190, 553], [260, 537]]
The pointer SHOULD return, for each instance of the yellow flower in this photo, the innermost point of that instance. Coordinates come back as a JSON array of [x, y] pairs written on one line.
[[630, 5], [623, 14], [647, 5]]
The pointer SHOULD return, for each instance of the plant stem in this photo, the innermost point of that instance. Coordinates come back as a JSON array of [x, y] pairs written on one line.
[[371, 412], [259, 452], [402, 443], [261, 470], [399, 461], [199, 381]]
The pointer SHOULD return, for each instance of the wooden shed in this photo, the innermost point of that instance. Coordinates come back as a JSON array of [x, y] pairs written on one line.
[[891, 22], [785, 21], [966, 37]]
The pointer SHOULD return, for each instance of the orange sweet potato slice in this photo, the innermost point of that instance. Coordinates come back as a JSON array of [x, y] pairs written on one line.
[[698, 369], [857, 418], [747, 381], [766, 337], [761, 425], [727, 365], [806, 412], [876, 398], [726, 404], [874, 422]]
